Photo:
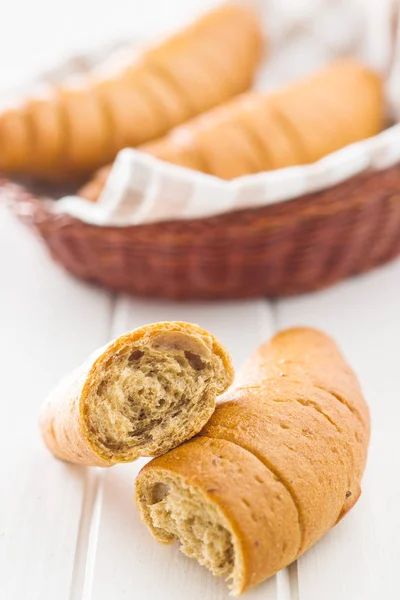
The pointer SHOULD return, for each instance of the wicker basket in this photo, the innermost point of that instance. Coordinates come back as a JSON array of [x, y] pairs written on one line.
[[287, 248]]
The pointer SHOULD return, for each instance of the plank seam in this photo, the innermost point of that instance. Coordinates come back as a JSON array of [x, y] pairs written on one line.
[[294, 580], [87, 533]]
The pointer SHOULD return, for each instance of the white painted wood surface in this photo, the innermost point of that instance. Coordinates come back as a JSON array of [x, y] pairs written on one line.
[[73, 534], [70, 533]]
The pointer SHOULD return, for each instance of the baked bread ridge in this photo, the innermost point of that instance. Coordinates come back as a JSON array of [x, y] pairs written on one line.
[[257, 131], [297, 408], [67, 131], [144, 393]]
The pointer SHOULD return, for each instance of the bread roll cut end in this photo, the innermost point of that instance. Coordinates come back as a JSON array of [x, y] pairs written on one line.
[[146, 393], [175, 510], [154, 392]]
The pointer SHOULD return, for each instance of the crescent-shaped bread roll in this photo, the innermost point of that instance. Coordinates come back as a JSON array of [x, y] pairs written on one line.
[[141, 395], [75, 129], [255, 132], [278, 464]]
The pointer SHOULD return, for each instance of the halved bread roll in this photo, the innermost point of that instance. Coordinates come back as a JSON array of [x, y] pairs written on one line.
[[278, 464], [143, 394]]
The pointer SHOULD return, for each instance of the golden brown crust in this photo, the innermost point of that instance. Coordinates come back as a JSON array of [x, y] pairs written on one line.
[[278, 148], [203, 65], [64, 420], [322, 366], [297, 407], [308, 454], [60, 421], [339, 105]]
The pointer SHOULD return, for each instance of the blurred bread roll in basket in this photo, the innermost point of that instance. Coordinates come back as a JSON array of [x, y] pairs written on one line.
[[76, 128], [256, 111]]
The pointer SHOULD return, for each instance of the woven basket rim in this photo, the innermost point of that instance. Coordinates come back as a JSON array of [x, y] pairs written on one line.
[[257, 252], [27, 205]]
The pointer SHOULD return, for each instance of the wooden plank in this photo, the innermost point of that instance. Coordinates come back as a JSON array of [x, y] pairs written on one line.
[[359, 558], [128, 562], [49, 323]]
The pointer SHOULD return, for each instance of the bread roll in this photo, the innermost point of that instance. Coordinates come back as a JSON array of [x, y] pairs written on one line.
[[296, 125], [74, 129], [278, 464], [141, 395]]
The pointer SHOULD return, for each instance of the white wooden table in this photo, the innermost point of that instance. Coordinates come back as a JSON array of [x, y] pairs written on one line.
[[67, 533]]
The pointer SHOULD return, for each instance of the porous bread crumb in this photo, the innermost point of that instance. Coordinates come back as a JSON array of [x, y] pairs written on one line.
[[152, 395], [175, 510]]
